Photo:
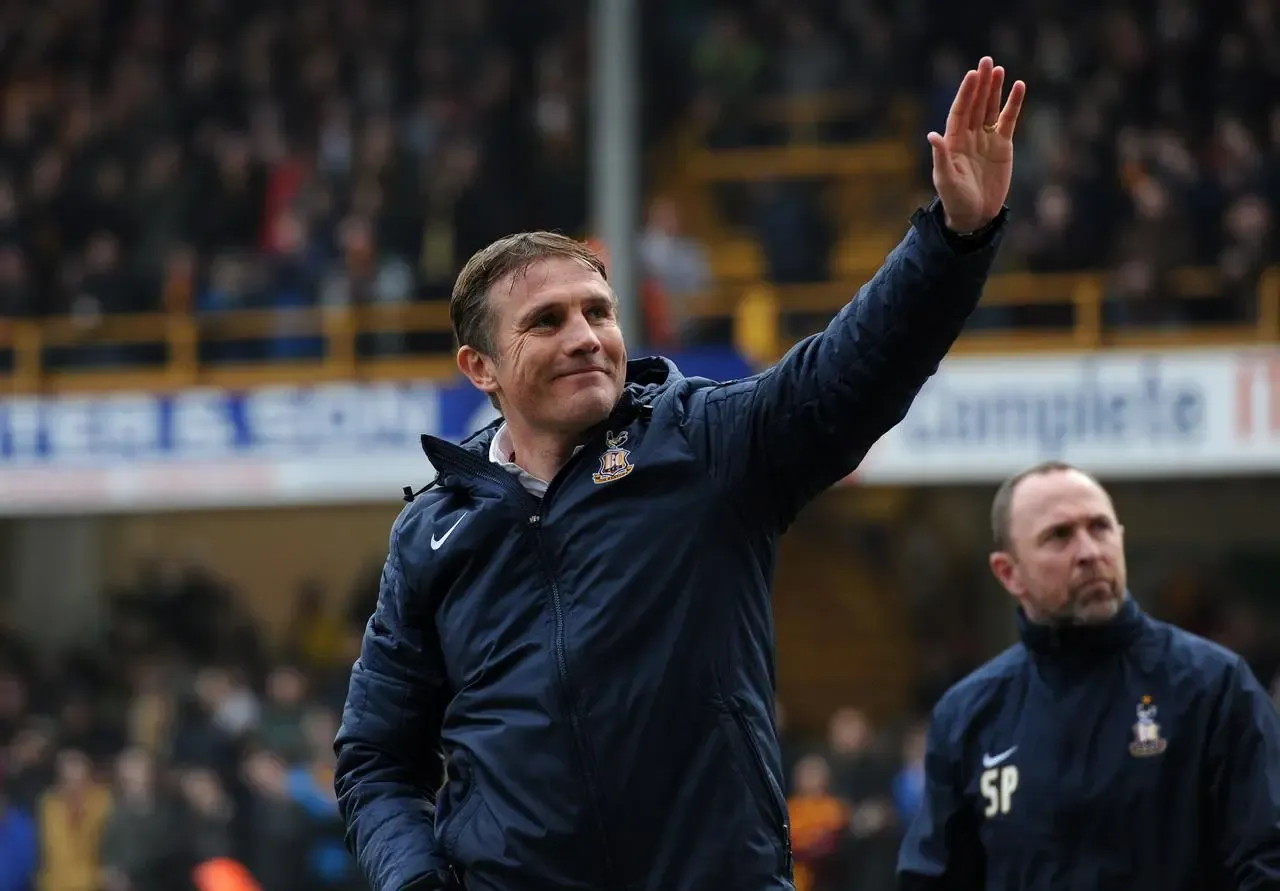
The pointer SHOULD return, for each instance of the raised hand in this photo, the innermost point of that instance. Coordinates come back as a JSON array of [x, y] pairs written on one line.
[[973, 159]]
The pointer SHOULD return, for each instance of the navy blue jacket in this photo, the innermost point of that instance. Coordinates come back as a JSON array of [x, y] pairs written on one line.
[[1130, 755], [596, 666]]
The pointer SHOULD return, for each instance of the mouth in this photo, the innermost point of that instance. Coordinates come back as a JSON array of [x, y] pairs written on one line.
[[1094, 588], [583, 371]]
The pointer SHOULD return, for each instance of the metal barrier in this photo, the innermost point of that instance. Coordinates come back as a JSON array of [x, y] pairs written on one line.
[[758, 315]]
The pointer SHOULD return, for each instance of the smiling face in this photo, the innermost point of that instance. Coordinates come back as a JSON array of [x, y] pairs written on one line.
[[558, 362], [1064, 554]]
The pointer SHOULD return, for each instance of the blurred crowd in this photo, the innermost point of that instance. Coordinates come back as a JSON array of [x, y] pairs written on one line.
[[185, 748], [182, 750], [227, 154], [1150, 141], [179, 751]]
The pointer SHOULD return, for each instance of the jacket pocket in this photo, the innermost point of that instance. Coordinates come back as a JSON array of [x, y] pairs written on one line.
[[764, 785], [462, 815]]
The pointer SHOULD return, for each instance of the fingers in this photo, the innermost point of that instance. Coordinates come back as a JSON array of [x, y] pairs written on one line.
[[991, 115], [977, 109], [941, 156], [1008, 121], [977, 102], [958, 117]]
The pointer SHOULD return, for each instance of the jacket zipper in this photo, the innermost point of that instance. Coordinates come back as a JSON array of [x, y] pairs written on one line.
[[593, 786], [777, 801], [534, 521]]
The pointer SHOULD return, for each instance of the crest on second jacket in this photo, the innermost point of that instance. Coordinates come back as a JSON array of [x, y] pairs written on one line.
[[1147, 740]]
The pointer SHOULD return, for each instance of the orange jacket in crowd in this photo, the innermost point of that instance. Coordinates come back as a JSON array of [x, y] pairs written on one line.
[[224, 874], [818, 824]]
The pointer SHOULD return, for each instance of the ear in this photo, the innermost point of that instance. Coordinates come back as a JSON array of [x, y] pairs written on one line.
[[1005, 569], [479, 369]]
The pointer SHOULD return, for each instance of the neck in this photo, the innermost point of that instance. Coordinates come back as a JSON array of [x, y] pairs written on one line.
[[541, 455], [1068, 621], [1065, 638]]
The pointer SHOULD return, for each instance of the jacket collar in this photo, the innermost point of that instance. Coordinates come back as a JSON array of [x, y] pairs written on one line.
[[1083, 640], [647, 378]]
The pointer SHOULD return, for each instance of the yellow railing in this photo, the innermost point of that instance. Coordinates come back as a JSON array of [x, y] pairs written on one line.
[[760, 311], [757, 314], [748, 165]]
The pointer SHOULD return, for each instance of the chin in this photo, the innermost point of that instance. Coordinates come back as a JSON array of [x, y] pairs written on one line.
[[1098, 610], [592, 389], [587, 407]]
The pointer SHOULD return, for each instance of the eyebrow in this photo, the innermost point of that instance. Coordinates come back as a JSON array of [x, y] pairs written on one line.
[[527, 317], [592, 299], [1052, 527]]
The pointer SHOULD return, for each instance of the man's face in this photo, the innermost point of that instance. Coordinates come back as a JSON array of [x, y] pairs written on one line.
[[561, 362], [1065, 561]]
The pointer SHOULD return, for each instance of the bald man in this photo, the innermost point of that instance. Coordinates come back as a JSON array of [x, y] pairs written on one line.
[[1105, 750]]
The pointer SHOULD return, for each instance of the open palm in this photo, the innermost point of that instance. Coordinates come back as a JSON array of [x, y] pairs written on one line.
[[973, 159]]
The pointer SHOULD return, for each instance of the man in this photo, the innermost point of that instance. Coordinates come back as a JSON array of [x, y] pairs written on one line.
[[1106, 750], [574, 618], [19, 846]]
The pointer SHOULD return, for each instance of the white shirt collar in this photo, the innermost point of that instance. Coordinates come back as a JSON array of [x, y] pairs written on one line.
[[502, 450]]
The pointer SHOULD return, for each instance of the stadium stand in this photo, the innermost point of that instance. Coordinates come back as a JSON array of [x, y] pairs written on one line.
[[226, 191], [235, 183]]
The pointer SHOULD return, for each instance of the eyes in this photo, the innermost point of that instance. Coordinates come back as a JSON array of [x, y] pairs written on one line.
[[1098, 527], [551, 319]]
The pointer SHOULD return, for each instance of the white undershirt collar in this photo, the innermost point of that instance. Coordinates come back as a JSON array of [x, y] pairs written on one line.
[[502, 450]]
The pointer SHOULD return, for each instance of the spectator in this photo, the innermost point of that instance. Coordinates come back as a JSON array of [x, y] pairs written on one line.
[[676, 264], [19, 848], [908, 785], [728, 67], [281, 730], [310, 783], [29, 769], [1151, 246], [810, 61], [138, 837], [862, 777], [205, 818], [277, 826], [819, 828], [72, 815]]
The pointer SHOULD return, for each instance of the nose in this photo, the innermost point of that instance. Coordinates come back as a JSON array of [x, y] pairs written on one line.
[[580, 336], [1087, 548]]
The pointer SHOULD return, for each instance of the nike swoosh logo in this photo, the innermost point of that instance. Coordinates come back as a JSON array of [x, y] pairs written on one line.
[[436, 542], [993, 760]]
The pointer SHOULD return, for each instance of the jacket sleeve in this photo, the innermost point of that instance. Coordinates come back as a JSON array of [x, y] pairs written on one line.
[[388, 746], [789, 433], [1244, 785], [941, 850]]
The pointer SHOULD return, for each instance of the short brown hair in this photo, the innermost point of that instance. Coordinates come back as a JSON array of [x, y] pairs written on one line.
[[469, 307], [1002, 504]]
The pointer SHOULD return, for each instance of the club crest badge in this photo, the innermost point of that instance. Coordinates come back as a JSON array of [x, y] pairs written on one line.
[[614, 463], [1147, 740]]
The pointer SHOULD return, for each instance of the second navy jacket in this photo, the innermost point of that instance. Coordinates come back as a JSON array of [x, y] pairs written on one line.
[[1128, 756]]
